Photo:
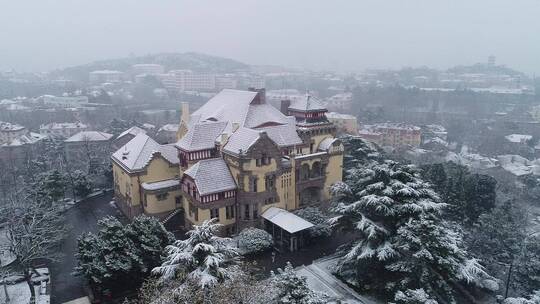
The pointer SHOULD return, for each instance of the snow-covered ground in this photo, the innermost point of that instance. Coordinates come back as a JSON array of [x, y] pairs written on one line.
[[19, 293]]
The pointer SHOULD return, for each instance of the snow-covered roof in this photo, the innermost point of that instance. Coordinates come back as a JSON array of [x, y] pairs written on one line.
[[7, 126], [518, 138], [138, 152], [161, 184], [133, 131], [29, 138], [246, 108], [326, 143], [286, 220], [169, 128], [201, 136], [241, 140], [211, 176], [284, 135], [63, 125], [306, 104], [89, 136]]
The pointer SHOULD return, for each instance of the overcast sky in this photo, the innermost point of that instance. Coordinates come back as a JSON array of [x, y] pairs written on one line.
[[343, 35]]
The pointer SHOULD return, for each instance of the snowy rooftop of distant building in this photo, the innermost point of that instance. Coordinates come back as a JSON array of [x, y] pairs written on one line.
[[393, 125], [518, 138], [89, 136], [339, 115], [138, 152], [64, 125], [211, 176], [286, 220], [7, 126], [106, 72], [29, 138], [169, 128]]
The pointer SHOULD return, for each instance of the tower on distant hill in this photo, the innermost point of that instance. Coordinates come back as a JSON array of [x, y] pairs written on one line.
[[491, 60]]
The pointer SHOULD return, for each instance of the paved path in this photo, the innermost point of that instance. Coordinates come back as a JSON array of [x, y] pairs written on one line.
[[320, 278], [80, 218]]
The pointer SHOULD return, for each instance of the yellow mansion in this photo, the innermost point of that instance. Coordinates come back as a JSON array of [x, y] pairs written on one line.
[[237, 159]]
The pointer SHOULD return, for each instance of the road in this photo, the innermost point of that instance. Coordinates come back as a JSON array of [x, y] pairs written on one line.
[[80, 218]]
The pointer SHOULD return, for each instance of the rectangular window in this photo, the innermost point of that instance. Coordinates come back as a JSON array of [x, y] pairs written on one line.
[[246, 212], [214, 213], [162, 196], [229, 212], [255, 184], [178, 201], [255, 212]]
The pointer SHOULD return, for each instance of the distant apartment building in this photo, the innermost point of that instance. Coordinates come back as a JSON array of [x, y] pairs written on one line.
[[340, 102], [21, 149], [226, 82], [345, 123], [167, 134], [392, 134], [9, 131], [64, 130], [187, 80], [106, 76], [147, 68], [64, 101]]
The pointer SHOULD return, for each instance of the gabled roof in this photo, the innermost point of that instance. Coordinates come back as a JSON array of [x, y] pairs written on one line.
[[89, 136], [138, 152], [243, 107], [211, 176], [201, 136], [133, 131], [241, 140], [307, 103], [284, 135], [286, 220]]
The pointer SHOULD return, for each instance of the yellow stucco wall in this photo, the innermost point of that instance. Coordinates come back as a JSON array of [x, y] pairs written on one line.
[[155, 206], [334, 173], [157, 170]]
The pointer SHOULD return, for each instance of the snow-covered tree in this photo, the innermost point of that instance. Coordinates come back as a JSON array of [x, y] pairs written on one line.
[[526, 277], [293, 289], [253, 240], [51, 185], [359, 152], [313, 215], [242, 288], [534, 298], [203, 257], [34, 231], [117, 254], [82, 186], [403, 243], [413, 296]]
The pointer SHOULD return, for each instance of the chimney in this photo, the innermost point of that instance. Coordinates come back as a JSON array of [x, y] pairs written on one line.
[[285, 104], [185, 112], [224, 138], [261, 95]]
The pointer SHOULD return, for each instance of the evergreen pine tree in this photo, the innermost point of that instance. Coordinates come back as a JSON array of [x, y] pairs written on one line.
[[202, 258], [403, 243]]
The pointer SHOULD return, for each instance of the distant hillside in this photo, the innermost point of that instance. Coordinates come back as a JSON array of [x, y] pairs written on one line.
[[192, 61]]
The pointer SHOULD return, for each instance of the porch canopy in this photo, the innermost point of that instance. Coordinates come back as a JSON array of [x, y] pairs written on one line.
[[286, 220]]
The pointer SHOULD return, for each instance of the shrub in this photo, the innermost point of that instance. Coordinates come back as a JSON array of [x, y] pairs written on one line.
[[253, 240]]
